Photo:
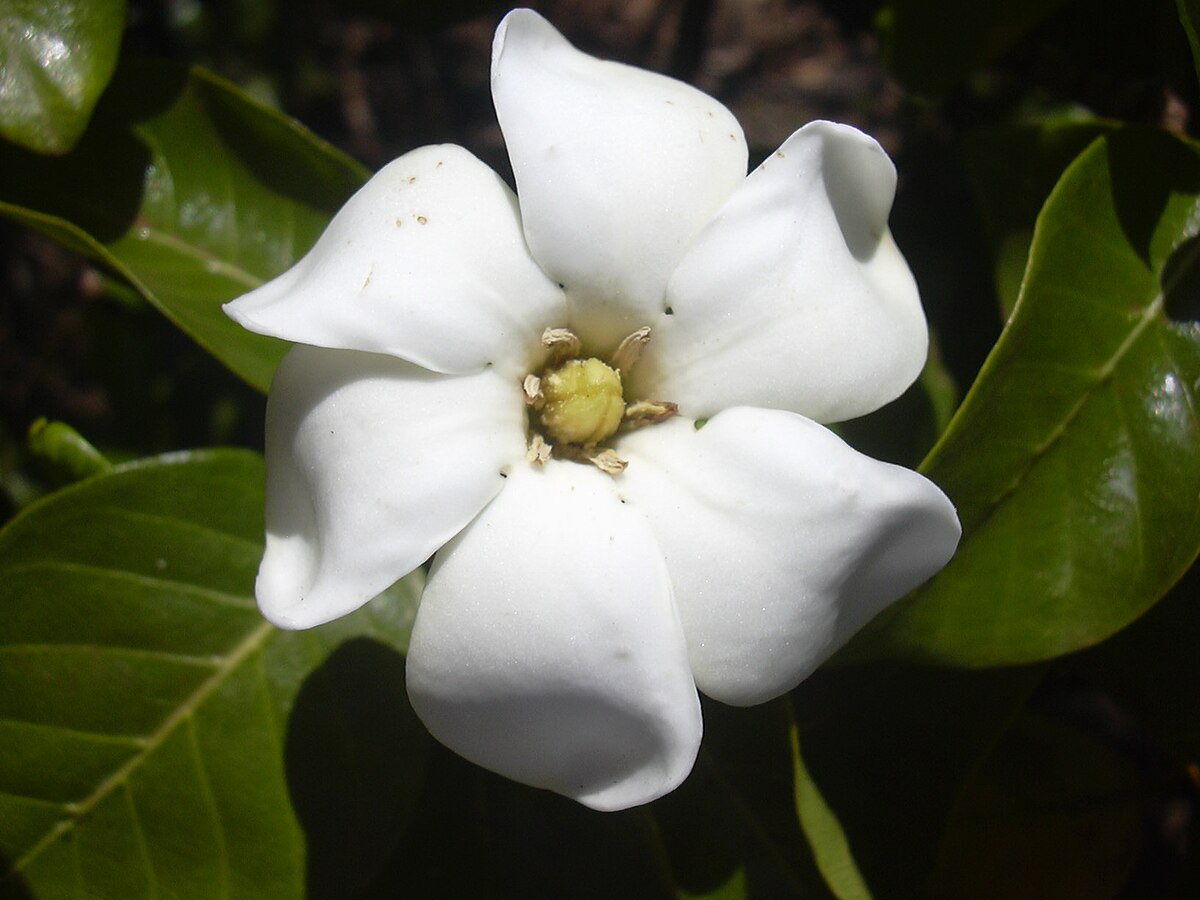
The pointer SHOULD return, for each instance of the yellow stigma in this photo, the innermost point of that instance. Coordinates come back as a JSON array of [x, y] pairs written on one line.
[[583, 402]]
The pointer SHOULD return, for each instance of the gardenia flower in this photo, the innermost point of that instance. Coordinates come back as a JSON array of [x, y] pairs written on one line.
[[599, 409]]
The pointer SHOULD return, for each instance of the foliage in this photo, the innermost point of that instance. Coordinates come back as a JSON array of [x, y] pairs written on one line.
[[1025, 724], [55, 60]]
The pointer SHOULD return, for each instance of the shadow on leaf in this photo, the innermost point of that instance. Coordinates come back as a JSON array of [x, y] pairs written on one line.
[[1181, 283], [356, 756], [12, 885], [1147, 168], [99, 185]]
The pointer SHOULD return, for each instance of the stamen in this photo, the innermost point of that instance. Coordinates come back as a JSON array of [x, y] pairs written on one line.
[[562, 344], [539, 450], [647, 412], [629, 351], [532, 385], [608, 462]]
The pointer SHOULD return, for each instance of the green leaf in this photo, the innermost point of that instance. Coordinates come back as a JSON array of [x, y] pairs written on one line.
[[1152, 668], [932, 45], [883, 752], [1012, 169], [830, 847], [734, 821], [65, 451], [1053, 811], [1189, 18], [728, 833], [1075, 459], [161, 739], [55, 60], [190, 191]]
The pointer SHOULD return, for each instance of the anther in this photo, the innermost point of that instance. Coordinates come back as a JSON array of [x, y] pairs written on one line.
[[608, 462], [539, 450], [647, 412], [562, 344], [629, 351], [532, 385]]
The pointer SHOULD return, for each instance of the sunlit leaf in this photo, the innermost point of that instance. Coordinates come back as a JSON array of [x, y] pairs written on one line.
[[1075, 459], [192, 192], [55, 59], [160, 739]]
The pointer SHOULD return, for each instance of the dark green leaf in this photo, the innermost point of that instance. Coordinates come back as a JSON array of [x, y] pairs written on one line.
[[192, 192], [159, 737], [887, 748], [1053, 812], [55, 59], [1013, 168], [1075, 459], [825, 834], [1189, 18], [932, 45], [1152, 668], [730, 832]]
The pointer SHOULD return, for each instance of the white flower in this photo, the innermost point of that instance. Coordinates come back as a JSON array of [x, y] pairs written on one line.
[[571, 613]]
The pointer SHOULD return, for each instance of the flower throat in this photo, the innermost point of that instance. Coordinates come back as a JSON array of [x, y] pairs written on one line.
[[577, 403]]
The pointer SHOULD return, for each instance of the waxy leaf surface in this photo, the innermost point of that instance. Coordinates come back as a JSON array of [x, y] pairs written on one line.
[[1075, 459], [190, 191], [160, 738], [55, 60]]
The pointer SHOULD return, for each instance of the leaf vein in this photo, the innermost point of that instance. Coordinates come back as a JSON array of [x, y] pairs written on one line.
[[210, 801], [140, 834], [253, 640], [224, 598], [1102, 375]]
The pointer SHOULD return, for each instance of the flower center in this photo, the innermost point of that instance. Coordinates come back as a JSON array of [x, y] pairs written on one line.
[[578, 402], [582, 402]]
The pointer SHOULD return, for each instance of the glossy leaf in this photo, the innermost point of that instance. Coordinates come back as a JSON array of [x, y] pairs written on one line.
[[55, 60], [1075, 459], [192, 192], [160, 739], [1013, 169]]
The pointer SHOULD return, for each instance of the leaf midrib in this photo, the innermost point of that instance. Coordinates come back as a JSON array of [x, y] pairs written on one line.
[[1151, 313], [253, 641], [1040, 452]]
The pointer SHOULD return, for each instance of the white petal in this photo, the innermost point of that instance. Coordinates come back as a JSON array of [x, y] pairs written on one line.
[[795, 297], [547, 649], [372, 465], [617, 168], [426, 262], [781, 541]]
